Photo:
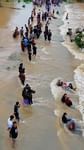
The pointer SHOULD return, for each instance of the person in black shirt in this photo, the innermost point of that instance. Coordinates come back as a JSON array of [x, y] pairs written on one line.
[[21, 32], [14, 133], [34, 49], [27, 94], [65, 118], [46, 29], [22, 76], [29, 51], [49, 35], [21, 68], [27, 30], [16, 111], [22, 73], [70, 123], [45, 35]]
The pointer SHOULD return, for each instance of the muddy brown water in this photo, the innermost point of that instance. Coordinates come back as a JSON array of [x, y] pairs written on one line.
[[41, 128]]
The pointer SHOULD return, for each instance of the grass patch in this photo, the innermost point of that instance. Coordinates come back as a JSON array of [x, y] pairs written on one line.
[[27, 1], [79, 40]]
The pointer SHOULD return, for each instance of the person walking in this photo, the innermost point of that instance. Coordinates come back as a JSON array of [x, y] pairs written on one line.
[[14, 133], [34, 49], [27, 95], [10, 123], [22, 77], [45, 35], [29, 51], [16, 111], [21, 32], [49, 35], [20, 69]]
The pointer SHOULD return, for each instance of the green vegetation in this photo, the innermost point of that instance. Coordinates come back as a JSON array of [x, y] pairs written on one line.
[[79, 40], [26, 1], [17, 0]]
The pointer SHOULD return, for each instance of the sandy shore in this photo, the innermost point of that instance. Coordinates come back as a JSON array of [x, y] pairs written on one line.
[[42, 129]]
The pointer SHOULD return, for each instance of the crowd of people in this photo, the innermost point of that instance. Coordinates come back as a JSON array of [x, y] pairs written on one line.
[[27, 91], [28, 35], [14, 119], [28, 42], [12, 123], [33, 30], [65, 99]]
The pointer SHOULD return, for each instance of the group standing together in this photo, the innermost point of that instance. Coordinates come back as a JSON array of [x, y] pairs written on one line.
[[28, 35], [33, 30], [12, 123]]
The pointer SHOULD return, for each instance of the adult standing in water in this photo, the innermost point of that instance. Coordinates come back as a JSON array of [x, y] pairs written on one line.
[[21, 68], [27, 95], [14, 133], [49, 35], [46, 32], [16, 111], [34, 49], [29, 51], [21, 32], [27, 30], [22, 77], [10, 123], [45, 35], [22, 73], [48, 5]]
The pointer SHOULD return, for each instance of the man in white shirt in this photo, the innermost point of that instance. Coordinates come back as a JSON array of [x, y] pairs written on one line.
[[10, 122]]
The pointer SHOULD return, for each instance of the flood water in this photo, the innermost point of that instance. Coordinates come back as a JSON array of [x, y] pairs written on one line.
[[75, 20], [41, 128]]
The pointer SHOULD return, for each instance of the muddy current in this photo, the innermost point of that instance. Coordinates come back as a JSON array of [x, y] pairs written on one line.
[[41, 128]]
